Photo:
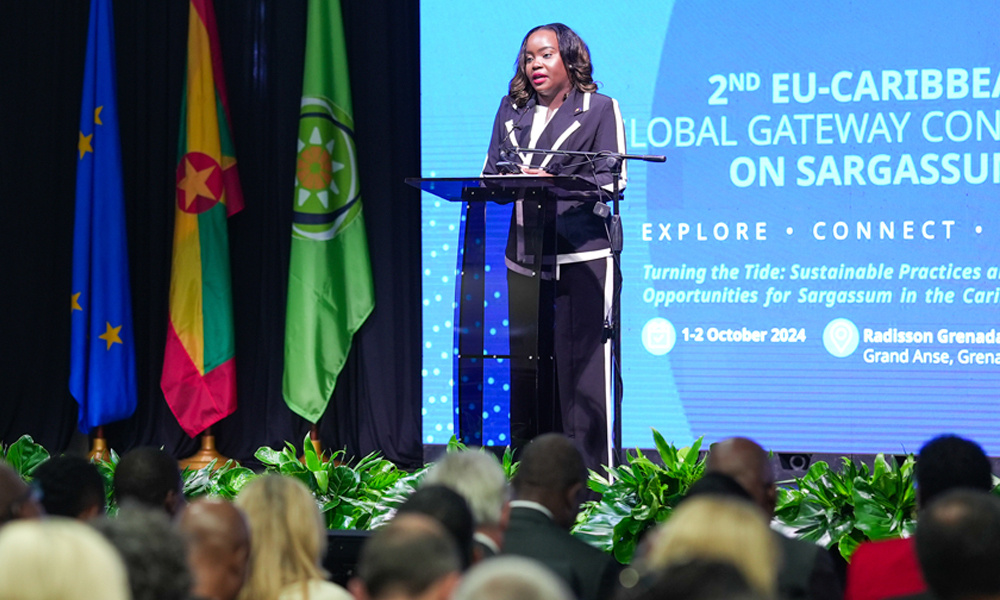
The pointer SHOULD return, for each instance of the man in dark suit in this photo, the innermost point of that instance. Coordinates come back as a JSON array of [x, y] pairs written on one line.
[[450, 510], [958, 544], [411, 558], [547, 489], [889, 568], [807, 570], [149, 477], [480, 479]]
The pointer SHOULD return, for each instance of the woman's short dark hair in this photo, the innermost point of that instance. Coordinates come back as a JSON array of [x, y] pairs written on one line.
[[575, 56]]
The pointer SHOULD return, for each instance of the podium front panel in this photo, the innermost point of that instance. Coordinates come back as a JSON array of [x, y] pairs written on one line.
[[487, 366]]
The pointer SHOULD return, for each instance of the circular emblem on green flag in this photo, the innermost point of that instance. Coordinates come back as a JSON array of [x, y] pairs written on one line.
[[326, 173], [199, 183]]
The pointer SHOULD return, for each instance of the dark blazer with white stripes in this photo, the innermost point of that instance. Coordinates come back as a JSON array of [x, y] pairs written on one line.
[[586, 121]]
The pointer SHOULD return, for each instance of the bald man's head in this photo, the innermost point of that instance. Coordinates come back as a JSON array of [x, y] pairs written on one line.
[[218, 540], [552, 473], [746, 462], [411, 557]]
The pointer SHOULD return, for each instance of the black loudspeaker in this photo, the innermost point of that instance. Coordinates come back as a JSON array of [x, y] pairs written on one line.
[[343, 549], [791, 461]]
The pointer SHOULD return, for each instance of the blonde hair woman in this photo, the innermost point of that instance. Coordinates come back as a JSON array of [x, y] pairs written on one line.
[[287, 542], [59, 559], [721, 529]]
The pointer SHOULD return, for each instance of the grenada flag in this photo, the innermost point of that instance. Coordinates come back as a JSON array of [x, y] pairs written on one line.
[[199, 372]]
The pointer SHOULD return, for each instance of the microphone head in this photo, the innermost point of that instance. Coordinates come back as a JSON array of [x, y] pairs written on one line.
[[507, 168]]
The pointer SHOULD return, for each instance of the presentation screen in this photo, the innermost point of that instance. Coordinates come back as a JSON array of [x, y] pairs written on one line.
[[817, 263]]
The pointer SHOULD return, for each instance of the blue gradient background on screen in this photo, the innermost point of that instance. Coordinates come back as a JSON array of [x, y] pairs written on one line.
[[656, 58]]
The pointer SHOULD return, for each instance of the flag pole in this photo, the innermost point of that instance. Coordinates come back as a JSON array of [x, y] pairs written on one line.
[[99, 446], [316, 444], [205, 455], [314, 438], [199, 385], [329, 250]]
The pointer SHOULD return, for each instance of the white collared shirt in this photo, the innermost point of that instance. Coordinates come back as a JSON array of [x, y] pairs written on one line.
[[487, 541], [533, 506]]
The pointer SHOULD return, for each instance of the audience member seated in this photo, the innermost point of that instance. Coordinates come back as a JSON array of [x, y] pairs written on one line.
[[149, 476], [889, 568], [717, 484], [511, 578], [411, 558], [59, 559], [72, 487], [717, 528], [218, 548], [448, 508], [958, 545], [548, 487], [807, 571], [18, 500], [696, 580], [287, 542], [154, 552], [480, 479]]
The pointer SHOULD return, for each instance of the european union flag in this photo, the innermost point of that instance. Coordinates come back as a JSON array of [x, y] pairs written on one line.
[[102, 361]]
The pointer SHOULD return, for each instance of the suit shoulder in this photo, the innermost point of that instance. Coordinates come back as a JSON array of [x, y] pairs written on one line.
[[602, 101], [506, 106], [596, 555], [599, 97]]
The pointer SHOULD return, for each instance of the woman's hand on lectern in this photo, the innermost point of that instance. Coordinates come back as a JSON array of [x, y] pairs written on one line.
[[535, 171]]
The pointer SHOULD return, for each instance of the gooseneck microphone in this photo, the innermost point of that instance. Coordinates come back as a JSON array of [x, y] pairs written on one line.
[[509, 163], [611, 157]]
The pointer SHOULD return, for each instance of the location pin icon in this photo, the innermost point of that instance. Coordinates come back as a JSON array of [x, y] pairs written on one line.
[[840, 337]]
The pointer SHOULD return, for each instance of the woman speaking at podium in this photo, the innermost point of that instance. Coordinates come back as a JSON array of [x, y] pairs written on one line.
[[552, 104]]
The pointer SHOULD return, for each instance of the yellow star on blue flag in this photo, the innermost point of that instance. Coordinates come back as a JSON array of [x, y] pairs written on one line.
[[102, 357]]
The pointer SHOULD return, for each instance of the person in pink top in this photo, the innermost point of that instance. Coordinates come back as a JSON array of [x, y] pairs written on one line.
[[889, 568]]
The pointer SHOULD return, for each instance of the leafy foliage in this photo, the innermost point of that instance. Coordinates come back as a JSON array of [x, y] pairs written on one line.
[[637, 496], [828, 506], [851, 506], [508, 463], [394, 497], [107, 470], [225, 482], [349, 497], [24, 456]]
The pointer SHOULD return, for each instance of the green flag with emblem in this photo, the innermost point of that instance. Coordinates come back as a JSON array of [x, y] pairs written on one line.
[[330, 292]]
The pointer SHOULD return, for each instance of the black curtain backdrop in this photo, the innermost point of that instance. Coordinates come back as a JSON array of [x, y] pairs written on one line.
[[376, 405]]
